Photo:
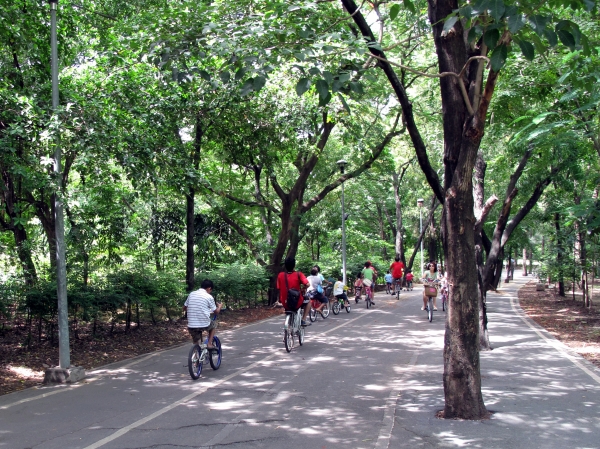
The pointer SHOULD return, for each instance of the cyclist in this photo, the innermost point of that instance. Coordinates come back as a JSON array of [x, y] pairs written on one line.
[[339, 290], [358, 286], [369, 276], [388, 282], [430, 277], [324, 282], [315, 289], [397, 269], [409, 279], [295, 279], [199, 305]]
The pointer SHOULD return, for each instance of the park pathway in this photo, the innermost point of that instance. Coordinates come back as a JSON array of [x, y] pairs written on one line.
[[367, 379]]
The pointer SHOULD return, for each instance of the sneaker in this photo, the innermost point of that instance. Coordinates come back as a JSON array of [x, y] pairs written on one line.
[[435, 308], [305, 324], [423, 308], [372, 302]]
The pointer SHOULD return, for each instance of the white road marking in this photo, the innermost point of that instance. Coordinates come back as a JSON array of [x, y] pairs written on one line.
[[201, 390]]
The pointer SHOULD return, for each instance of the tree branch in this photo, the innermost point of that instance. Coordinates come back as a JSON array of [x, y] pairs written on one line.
[[417, 140], [366, 165], [244, 235]]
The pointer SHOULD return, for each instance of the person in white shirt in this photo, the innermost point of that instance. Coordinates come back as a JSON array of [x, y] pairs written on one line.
[[199, 305], [339, 290]]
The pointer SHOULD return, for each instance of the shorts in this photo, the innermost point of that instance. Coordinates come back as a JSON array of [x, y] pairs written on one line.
[[321, 298], [196, 332]]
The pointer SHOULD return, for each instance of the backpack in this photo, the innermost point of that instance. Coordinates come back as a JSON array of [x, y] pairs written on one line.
[[294, 298]]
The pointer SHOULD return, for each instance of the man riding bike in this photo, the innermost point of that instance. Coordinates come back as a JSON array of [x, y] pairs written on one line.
[[295, 280]]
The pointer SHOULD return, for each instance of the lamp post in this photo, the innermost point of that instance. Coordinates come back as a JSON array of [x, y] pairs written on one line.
[[64, 372], [420, 204], [64, 356], [342, 165]]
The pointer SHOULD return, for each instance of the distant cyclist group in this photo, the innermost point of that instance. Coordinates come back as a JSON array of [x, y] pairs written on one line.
[[303, 296]]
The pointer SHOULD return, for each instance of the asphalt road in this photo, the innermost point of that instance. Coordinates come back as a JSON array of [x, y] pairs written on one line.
[[365, 379]]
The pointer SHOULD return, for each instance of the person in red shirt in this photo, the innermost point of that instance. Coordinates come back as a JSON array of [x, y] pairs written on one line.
[[295, 279], [397, 268]]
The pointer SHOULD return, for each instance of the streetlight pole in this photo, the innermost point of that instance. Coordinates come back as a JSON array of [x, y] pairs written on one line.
[[342, 164], [420, 204], [64, 355]]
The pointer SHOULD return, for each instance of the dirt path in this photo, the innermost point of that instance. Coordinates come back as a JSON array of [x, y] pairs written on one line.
[[571, 323]]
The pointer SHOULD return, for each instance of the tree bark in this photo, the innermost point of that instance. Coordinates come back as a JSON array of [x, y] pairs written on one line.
[[524, 262], [559, 255]]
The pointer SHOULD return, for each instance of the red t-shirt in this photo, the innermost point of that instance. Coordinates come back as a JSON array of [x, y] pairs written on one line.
[[294, 280], [409, 277], [397, 269]]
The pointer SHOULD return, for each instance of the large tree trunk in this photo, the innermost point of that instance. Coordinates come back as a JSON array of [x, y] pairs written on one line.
[[524, 262], [399, 242], [24, 253]]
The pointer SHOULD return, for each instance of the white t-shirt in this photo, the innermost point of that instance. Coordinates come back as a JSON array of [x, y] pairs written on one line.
[[338, 288], [199, 305], [313, 281]]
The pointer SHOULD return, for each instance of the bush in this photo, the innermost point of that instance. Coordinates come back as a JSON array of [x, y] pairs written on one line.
[[237, 284]]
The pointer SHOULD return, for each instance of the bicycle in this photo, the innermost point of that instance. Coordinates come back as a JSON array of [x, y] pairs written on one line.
[[292, 326], [339, 304], [429, 308], [314, 304], [444, 298], [200, 354], [357, 294], [369, 296], [397, 288]]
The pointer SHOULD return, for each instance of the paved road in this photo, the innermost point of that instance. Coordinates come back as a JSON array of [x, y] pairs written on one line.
[[367, 379]]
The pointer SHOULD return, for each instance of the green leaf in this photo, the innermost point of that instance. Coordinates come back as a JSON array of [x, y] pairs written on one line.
[[247, 87], [449, 24], [465, 11], [345, 76], [240, 74], [552, 37], [481, 6], [538, 23], [323, 89], [356, 87], [343, 100], [497, 9], [225, 77], [498, 58], [541, 117], [490, 38], [566, 38], [408, 4], [589, 4], [336, 86], [394, 10], [474, 33], [314, 71], [515, 23], [324, 101], [302, 86], [259, 83], [328, 76], [204, 74], [527, 49]]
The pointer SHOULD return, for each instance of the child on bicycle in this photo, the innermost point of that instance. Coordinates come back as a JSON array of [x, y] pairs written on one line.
[[409, 279], [199, 305], [339, 290], [388, 282], [358, 285]]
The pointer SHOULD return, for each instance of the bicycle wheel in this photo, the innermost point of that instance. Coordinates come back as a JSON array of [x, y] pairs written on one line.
[[430, 309], [348, 308], [335, 308], [215, 357], [194, 363], [398, 290], [312, 315], [325, 311], [301, 336], [443, 303], [368, 301]]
